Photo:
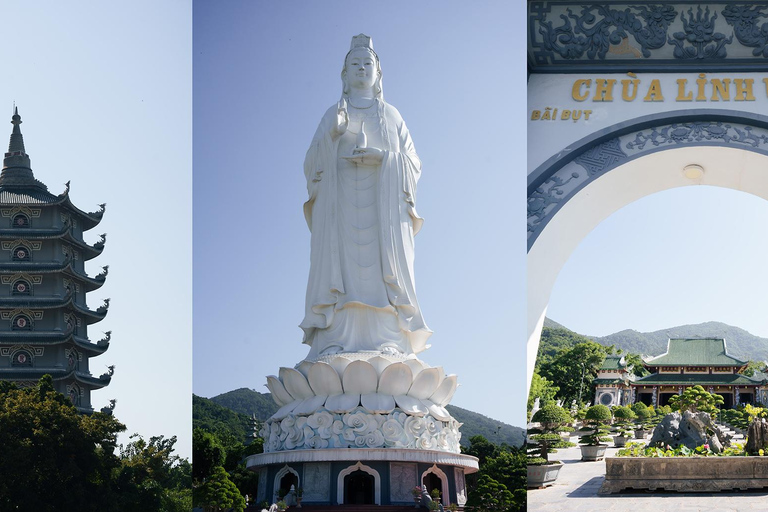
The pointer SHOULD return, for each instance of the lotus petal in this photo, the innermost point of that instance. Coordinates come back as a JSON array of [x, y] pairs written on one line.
[[295, 383], [279, 393], [411, 405], [445, 390], [310, 405], [360, 378], [304, 367], [379, 363], [340, 364], [425, 383], [416, 366], [376, 403], [396, 379], [324, 380], [439, 413], [342, 403], [285, 410]]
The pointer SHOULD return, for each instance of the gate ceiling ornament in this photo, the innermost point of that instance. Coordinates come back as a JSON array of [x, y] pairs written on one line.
[[648, 37]]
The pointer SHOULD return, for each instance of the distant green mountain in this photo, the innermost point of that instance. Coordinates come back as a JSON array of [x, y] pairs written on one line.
[[249, 402], [211, 416], [740, 343], [246, 402]]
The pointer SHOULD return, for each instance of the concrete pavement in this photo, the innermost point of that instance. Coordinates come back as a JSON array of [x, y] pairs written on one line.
[[576, 491]]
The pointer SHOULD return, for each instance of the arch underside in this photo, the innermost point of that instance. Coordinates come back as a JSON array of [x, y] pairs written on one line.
[[569, 196]]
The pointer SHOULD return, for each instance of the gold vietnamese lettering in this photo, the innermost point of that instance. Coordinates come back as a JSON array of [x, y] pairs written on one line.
[[576, 93]]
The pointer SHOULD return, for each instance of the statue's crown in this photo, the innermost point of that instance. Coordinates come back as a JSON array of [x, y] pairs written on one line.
[[361, 41]]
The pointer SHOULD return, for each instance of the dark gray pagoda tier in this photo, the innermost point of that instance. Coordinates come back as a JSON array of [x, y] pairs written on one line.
[[44, 316]]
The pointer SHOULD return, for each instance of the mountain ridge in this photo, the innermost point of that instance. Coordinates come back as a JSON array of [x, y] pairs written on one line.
[[739, 342]]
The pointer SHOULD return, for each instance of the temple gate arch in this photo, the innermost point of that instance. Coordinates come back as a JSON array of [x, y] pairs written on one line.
[[626, 100], [569, 196]]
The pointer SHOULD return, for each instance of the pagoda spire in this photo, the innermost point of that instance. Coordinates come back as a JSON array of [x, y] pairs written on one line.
[[16, 155], [17, 170]]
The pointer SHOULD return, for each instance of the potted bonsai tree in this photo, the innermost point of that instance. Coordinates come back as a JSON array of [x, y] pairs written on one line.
[[543, 440], [643, 415], [623, 417], [597, 416]]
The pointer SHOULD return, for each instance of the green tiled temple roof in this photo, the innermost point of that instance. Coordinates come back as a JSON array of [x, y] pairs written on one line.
[[613, 363], [695, 352], [607, 381], [668, 379]]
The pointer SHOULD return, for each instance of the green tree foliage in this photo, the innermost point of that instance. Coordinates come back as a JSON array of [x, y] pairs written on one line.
[[210, 416], [490, 496], [220, 449], [543, 389], [218, 493], [152, 477], [696, 399], [552, 420], [53, 458], [501, 480], [48, 449], [573, 369]]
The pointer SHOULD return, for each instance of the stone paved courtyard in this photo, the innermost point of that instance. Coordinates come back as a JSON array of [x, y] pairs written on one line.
[[576, 491]]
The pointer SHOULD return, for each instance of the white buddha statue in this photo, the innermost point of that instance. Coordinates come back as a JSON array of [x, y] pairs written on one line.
[[361, 172]]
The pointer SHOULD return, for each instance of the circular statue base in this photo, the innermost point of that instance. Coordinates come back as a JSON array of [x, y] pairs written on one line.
[[376, 476], [362, 428]]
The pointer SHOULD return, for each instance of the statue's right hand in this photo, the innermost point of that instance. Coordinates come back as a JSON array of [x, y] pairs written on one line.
[[342, 119]]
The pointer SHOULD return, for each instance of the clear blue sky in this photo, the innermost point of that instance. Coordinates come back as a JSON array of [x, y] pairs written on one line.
[[264, 74], [104, 91], [682, 256]]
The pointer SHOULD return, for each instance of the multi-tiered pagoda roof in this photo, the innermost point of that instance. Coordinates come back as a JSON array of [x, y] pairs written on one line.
[[44, 316]]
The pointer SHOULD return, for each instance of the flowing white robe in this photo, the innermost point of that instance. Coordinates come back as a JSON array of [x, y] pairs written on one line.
[[328, 308]]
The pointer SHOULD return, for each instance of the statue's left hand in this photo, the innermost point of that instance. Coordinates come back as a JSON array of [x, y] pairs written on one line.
[[366, 156]]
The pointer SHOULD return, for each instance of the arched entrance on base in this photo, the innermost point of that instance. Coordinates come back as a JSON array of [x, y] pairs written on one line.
[[570, 195], [284, 478], [435, 478], [359, 482]]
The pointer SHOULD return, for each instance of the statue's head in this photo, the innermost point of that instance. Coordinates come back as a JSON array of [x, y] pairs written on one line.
[[361, 67]]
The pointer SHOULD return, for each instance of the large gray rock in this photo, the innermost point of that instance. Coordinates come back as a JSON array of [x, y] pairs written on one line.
[[691, 429], [757, 436]]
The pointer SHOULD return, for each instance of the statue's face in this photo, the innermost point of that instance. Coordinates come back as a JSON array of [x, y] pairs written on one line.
[[361, 69]]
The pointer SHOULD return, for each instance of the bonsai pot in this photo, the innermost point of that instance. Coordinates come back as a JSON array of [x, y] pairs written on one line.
[[543, 474], [620, 441], [640, 433], [593, 452]]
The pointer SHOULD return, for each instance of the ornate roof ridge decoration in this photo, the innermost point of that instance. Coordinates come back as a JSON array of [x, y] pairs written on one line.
[[572, 36], [15, 267], [57, 373]]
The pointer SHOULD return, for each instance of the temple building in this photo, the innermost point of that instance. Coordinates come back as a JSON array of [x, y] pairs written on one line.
[[44, 317], [612, 382], [686, 363]]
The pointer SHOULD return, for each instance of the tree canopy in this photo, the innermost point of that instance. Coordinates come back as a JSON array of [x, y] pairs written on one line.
[[53, 458]]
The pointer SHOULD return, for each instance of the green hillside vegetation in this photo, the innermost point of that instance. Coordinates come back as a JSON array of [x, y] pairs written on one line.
[[246, 402], [212, 417], [495, 431], [249, 402]]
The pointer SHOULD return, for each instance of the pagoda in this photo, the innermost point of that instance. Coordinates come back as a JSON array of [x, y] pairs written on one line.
[[44, 317]]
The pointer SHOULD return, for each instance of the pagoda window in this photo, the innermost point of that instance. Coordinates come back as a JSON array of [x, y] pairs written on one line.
[[21, 221], [21, 253], [21, 287], [21, 323], [21, 358]]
